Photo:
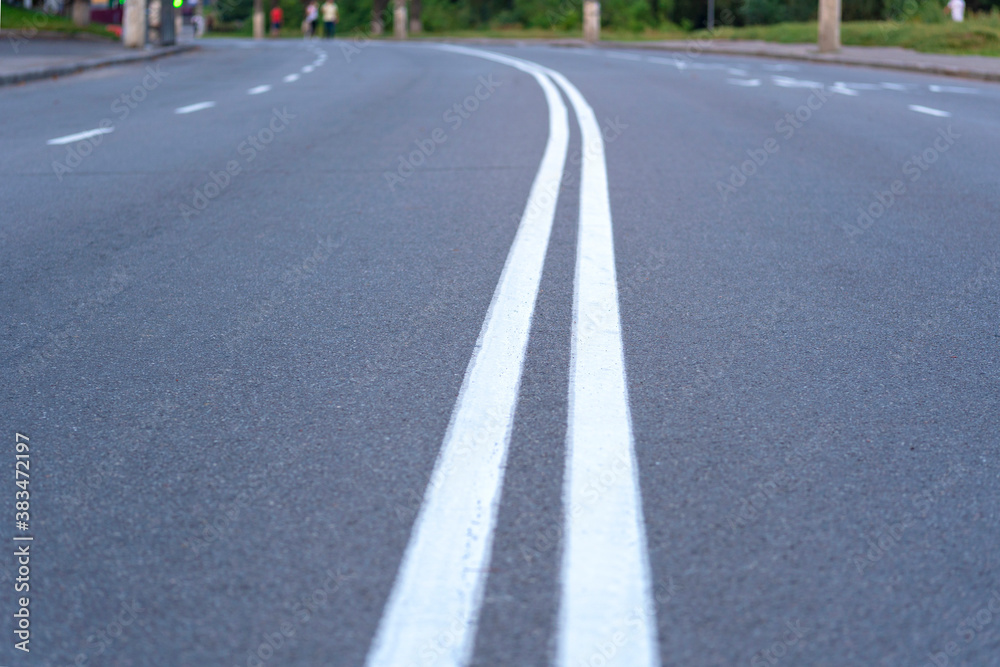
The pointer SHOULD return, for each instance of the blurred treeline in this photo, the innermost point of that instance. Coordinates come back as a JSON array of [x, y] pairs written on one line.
[[634, 15]]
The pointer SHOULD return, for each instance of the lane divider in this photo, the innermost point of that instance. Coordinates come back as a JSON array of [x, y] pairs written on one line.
[[606, 580], [929, 111], [606, 596], [191, 108], [433, 609], [79, 136]]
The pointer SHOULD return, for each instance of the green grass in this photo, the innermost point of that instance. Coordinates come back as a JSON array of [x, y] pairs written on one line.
[[26, 21], [978, 36]]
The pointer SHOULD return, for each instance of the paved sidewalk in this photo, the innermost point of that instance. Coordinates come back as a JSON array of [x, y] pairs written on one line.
[[888, 57], [26, 59]]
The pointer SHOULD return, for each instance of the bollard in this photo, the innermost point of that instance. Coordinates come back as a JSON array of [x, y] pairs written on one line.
[[591, 20]]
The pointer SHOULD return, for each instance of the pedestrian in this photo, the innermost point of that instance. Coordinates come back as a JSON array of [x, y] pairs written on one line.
[[277, 16], [957, 8], [330, 16], [312, 17]]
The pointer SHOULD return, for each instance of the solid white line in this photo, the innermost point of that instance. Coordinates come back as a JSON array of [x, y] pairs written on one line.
[[191, 108], [432, 612], [259, 89], [606, 589], [290, 78], [929, 111], [79, 136], [750, 83]]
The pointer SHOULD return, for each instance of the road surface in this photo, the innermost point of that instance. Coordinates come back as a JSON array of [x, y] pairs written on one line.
[[733, 400]]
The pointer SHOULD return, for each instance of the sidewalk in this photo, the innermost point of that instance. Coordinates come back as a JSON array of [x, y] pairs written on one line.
[[26, 59], [887, 57]]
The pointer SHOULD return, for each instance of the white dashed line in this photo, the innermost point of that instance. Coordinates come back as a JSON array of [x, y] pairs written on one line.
[[679, 64], [291, 78], [961, 90], [749, 83], [259, 89], [79, 136], [736, 72], [787, 82], [307, 69], [841, 89], [929, 111], [623, 56], [894, 86], [191, 108]]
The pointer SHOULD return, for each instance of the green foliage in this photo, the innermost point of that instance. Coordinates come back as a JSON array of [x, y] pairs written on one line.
[[763, 12]]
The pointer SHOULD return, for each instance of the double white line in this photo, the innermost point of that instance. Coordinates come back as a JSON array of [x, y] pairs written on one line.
[[432, 612]]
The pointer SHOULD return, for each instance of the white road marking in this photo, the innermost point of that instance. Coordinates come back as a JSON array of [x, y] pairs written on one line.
[[894, 86], [434, 606], [750, 83], [859, 86], [307, 69], [788, 82], [781, 68], [191, 108], [929, 111], [623, 56], [79, 136], [961, 90], [679, 64], [291, 78], [736, 71], [259, 89], [841, 89], [606, 590]]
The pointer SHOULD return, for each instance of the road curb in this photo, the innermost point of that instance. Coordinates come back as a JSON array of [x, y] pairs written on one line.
[[82, 65], [925, 68]]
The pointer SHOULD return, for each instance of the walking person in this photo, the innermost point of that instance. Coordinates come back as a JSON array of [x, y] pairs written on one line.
[[312, 18], [277, 16], [957, 8], [330, 17]]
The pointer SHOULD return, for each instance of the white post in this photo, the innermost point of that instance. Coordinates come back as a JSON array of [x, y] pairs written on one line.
[[399, 19], [258, 19], [591, 20], [134, 24], [829, 26]]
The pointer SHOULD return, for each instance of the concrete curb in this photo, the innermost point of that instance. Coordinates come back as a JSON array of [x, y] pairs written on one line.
[[925, 68], [79, 66], [699, 48]]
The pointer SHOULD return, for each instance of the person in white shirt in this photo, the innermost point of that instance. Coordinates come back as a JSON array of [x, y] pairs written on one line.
[[330, 16], [957, 8]]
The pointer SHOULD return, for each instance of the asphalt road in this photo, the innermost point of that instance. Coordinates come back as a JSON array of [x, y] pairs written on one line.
[[245, 292]]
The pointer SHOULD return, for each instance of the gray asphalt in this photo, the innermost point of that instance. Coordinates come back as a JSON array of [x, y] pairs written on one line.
[[234, 410]]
